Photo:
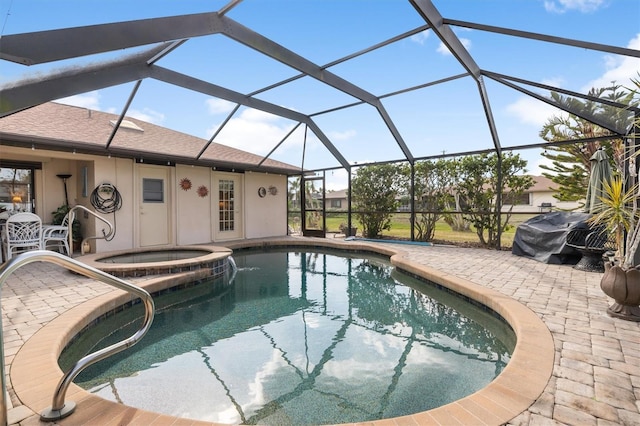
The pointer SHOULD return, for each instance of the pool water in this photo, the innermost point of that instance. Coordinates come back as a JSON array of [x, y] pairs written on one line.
[[300, 338]]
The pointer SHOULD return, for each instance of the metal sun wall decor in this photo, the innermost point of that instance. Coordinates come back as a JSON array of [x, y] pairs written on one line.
[[185, 184], [203, 191]]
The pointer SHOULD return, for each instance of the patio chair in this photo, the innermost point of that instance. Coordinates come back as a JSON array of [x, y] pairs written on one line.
[[58, 234], [22, 232], [592, 243]]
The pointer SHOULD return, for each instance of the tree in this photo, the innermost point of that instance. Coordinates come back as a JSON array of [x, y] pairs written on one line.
[[432, 186], [373, 190], [570, 163], [293, 198], [478, 187]]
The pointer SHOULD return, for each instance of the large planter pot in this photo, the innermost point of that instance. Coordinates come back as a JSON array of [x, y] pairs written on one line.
[[623, 286]]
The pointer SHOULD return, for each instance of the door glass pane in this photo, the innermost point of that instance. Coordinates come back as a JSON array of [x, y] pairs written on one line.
[[152, 190], [313, 194], [226, 196], [16, 189]]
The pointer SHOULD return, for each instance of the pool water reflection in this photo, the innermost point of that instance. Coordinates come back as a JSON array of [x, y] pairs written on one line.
[[301, 338]]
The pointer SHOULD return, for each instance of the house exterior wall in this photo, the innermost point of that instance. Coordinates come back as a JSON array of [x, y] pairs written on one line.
[[536, 199], [265, 216], [192, 216], [52, 191], [119, 173]]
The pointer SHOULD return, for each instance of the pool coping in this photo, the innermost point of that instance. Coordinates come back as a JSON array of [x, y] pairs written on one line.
[[35, 373]]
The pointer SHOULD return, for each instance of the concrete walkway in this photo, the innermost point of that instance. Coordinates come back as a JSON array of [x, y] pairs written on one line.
[[596, 379]]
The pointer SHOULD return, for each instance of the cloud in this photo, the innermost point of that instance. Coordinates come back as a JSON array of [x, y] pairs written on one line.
[[147, 115], [219, 106], [536, 170], [420, 37], [341, 136], [90, 100], [444, 50], [583, 6], [252, 130], [336, 180], [619, 69], [531, 111], [554, 81]]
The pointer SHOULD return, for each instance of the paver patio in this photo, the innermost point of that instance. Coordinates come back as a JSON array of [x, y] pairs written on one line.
[[596, 377]]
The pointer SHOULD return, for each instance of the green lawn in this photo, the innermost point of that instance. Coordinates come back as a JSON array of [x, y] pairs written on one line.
[[400, 228]]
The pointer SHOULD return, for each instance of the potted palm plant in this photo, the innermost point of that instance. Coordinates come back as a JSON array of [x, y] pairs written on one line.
[[621, 279], [618, 214]]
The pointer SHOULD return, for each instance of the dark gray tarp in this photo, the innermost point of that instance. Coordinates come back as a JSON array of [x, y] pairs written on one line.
[[544, 237]]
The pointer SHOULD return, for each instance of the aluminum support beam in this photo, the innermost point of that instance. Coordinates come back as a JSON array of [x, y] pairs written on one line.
[[257, 42], [489, 115], [224, 123], [116, 127], [27, 93], [575, 111], [544, 37], [211, 89], [54, 45], [435, 20], [497, 76], [279, 144]]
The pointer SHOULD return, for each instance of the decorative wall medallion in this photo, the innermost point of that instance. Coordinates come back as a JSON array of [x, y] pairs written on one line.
[[185, 184], [273, 190], [203, 191], [262, 192]]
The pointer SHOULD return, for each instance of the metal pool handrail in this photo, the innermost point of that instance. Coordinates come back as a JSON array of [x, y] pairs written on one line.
[[59, 408], [105, 235]]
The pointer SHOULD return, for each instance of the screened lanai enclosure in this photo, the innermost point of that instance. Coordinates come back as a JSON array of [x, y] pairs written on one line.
[[330, 86]]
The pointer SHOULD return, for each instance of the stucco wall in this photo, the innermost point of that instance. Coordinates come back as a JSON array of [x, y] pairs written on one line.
[[193, 213], [536, 200], [265, 216], [53, 189], [194, 219], [118, 172]]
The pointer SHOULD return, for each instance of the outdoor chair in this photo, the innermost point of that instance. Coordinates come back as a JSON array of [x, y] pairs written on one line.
[[592, 243], [22, 232], [58, 234]]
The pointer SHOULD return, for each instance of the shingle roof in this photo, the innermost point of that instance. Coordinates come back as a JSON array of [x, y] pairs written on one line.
[[341, 193], [64, 127], [542, 184]]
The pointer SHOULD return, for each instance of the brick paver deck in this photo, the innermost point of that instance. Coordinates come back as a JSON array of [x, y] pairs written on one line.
[[596, 375]]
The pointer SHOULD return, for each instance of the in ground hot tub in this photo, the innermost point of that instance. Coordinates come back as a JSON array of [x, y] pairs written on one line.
[[144, 262]]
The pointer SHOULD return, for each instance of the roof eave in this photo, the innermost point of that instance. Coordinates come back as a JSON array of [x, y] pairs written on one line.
[[41, 143]]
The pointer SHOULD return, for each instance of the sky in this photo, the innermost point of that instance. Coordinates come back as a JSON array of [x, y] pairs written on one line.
[[442, 118]]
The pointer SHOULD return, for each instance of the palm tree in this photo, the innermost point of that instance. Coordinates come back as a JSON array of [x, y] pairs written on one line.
[[570, 163]]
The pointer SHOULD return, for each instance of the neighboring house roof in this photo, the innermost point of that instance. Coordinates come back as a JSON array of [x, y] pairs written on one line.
[[542, 184], [339, 194], [67, 128]]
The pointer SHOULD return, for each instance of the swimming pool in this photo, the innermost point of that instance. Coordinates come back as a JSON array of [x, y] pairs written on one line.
[[305, 337]]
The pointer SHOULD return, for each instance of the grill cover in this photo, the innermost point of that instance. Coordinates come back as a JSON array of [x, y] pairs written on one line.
[[544, 237]]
